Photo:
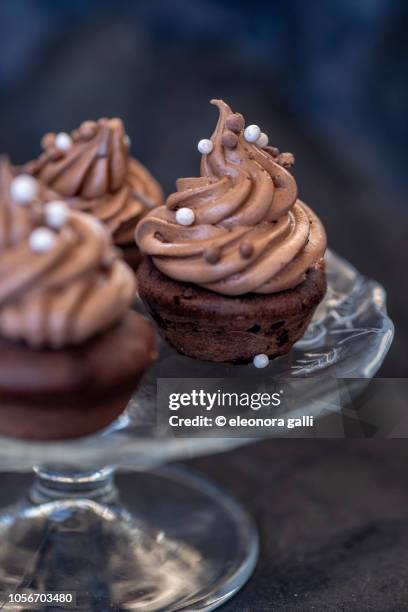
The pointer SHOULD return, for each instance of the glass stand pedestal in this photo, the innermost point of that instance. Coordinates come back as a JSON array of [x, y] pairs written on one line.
[[183, 544]]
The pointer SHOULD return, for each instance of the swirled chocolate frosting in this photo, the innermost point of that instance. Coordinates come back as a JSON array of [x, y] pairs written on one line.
[[250, 232], [93, 171], [61, 286]]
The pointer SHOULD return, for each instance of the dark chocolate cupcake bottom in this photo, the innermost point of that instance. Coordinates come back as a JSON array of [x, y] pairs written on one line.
[[204, 325], [52, 395]]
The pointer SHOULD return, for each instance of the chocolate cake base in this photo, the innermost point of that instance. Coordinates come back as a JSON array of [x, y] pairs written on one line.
[[205, 325], [59, 394]]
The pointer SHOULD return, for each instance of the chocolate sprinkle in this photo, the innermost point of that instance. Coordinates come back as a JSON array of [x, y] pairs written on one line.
[[246, 250], [229, 139], [274, 151], [286, 160], [235, 122], [278, 181], [212, 255]]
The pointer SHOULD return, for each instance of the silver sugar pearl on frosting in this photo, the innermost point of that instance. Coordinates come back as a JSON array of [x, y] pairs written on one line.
[[263, 140], [42, 239], [252, 133], [205, 146], [185, 216], [24, 189], [63, 141], [56, 214], [261, 360]]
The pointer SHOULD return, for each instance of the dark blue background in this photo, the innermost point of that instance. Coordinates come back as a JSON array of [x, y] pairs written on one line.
[[325, 79]]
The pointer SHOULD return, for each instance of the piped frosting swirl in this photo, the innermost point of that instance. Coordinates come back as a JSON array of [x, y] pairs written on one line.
[[250, 232], [58, 286], [92, 170]]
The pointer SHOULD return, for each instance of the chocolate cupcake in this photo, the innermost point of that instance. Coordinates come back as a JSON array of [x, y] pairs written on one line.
[[234, 267], [71, 349], [93, 171]]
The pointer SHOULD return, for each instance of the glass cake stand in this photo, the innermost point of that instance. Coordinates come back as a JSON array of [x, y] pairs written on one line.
[[177, 542]]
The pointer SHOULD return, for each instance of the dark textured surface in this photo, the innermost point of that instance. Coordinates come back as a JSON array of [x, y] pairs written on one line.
[[333, 522]]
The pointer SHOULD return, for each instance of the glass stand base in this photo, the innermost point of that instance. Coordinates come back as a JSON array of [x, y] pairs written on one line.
[[176, 543]]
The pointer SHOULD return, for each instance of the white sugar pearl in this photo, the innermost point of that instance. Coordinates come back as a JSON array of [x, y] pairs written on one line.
[[63, 141], [205, 146], [263, 140], [126, 141], [261, 360], [42, 240], [185, 216], [56, 214], [252, 133], [24, 189]]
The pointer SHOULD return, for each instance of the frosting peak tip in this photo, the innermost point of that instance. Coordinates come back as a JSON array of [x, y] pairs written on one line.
[[217, 101], [221, 105]]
